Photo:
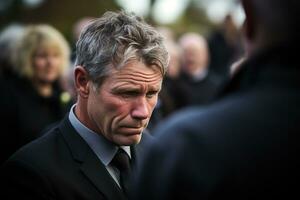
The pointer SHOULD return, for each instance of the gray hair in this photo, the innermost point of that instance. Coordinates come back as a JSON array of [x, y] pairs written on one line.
[[116, 38]]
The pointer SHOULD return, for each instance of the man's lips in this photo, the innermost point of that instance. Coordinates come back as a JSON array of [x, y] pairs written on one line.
[[131, 130]]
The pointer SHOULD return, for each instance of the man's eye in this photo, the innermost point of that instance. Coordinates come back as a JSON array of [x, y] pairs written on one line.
[[151, 94], [129, 93]]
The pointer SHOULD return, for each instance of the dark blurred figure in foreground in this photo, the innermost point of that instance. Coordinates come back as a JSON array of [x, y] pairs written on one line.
[[238, 147], [36, 99]]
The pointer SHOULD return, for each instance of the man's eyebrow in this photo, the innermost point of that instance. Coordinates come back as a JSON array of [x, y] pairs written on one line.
[[125, 88]]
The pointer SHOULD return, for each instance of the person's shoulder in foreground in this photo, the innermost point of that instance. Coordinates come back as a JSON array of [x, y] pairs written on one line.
[[236, 148]]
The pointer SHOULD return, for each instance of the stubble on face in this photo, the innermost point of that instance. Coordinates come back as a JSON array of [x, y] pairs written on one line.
[[125, 101]]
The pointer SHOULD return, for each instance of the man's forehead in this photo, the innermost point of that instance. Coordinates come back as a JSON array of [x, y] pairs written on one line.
[[133, 81], [136, 71]]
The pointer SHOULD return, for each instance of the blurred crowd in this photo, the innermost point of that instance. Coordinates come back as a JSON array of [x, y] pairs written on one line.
[[36, 76], [126, 110]]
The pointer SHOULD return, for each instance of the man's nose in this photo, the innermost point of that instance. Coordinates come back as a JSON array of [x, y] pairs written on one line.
[[140, 109]]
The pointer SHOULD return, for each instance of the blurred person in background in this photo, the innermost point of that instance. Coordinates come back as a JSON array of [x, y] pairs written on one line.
[[242, 146], [77, 28], [225, 46], [170, 97], [8, 47], [172, 91], [120, 65], [36, 98], [199, 86], [9, 37], [68, 77]]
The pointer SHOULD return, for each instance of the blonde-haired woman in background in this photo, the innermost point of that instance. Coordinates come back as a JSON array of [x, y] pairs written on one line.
[[39, 101], [43, 57]]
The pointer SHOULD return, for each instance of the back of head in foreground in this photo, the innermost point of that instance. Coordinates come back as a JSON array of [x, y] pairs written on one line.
[[238, 147]]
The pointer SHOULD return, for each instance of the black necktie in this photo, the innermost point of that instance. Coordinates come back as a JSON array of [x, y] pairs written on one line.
[[122, 162]]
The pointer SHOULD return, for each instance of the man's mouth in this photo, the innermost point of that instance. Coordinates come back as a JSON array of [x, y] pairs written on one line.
[[131, 130]]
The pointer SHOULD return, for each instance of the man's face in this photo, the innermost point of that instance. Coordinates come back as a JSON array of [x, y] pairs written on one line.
[[121, 107]]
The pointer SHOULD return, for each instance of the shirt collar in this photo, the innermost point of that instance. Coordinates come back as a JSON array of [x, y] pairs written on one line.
[[103, 148]]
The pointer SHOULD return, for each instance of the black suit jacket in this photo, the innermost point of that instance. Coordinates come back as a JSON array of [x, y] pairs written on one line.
[[238, 148], [60, 165]]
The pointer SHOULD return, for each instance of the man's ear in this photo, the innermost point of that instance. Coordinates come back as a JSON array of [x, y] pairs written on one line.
[[81, 81], [249, 24]]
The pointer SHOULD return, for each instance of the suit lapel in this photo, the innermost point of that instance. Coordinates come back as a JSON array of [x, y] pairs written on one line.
[[91, 166], [96, 172]]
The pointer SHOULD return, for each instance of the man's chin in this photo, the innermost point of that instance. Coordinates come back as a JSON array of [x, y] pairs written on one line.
[[129, 140]]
